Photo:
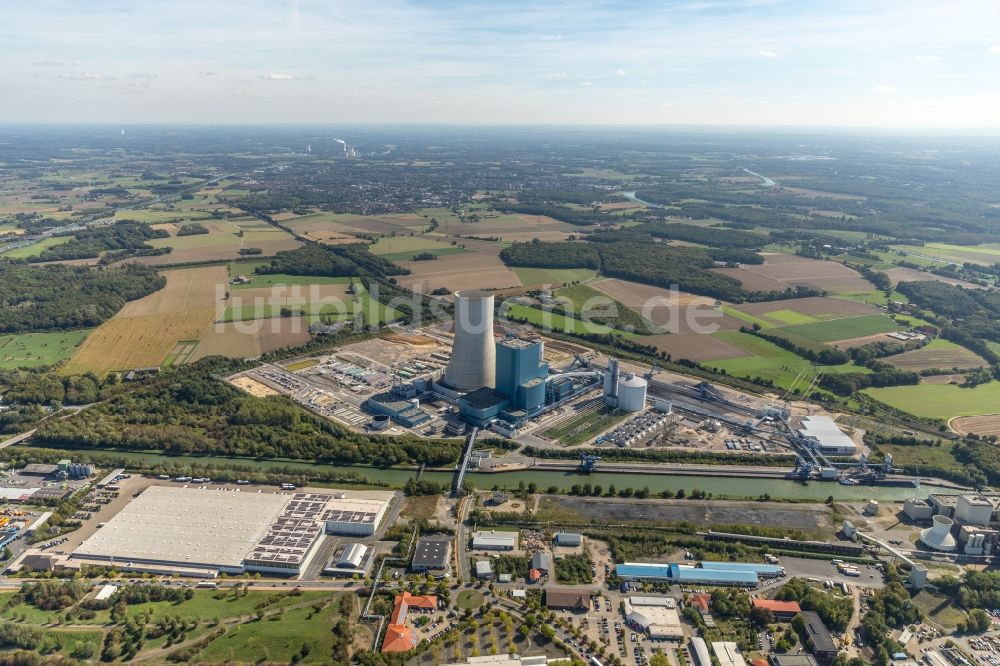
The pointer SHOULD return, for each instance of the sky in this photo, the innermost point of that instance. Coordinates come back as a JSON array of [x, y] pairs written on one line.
[[834, 63]]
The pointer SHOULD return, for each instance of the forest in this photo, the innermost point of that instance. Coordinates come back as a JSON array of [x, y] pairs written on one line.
[[125, 238], [192, 412], [53, 298], [351, 260]]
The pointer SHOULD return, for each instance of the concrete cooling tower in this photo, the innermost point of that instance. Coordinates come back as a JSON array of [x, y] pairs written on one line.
[[473, 355], [938, 535]]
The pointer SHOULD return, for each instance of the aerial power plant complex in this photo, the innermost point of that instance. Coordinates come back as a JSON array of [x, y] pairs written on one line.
[[509, 380], [502, 383]]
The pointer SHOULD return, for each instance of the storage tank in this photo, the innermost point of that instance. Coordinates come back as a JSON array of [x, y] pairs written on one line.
[[473, 354], [938, 535], [632, 393]]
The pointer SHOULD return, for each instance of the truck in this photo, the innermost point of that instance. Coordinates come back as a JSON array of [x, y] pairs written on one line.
[[242, 482], [207, 585], [163, 477], [288, 486]]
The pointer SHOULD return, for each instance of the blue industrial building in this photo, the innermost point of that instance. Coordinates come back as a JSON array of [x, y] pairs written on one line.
[[686, 574], [762, 570], [481, 406], [521, 373], [520, 385]]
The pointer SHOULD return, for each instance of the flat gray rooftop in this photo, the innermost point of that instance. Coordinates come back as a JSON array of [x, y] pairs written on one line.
[[190, 526]]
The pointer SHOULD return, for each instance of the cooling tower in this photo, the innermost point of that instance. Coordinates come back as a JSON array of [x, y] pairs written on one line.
[[938, 535], [473, 355]]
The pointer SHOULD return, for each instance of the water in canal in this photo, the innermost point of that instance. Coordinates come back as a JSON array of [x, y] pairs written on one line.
[[718, 486]]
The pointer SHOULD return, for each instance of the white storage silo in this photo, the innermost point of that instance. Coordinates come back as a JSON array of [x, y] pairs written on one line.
[[473, 354], [632, 393]]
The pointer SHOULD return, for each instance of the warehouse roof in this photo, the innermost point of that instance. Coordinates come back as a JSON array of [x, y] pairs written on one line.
[[432, 553], [818, 633], [184, 525], [772, 569], [728, 654], [567, 597], [685, 573], [495, 539], [826, 432]]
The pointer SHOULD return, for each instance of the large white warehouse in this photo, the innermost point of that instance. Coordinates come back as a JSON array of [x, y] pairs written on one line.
[[820, 432]]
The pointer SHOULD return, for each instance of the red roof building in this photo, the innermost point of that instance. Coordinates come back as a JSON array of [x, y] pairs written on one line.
[[700, 602], [782, 609], [399, 637]]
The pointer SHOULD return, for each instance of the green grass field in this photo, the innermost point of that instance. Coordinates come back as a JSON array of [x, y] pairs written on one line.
[[471, 599], [843, 329], [276, 640], [873, 297], [32, 350], [941, 401], [769, 361], [553, 276], [557, 322], [793, 317], [36, 249]]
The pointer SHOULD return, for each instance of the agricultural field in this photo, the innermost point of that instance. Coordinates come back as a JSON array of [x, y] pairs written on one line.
[[839, 330], [539, 277], [223, 242], [899, 274], [480, 268], [403, 248], [675, 311], [144, 332], [937, 353], [799, 311], [244, 339], [780, 271], [941, 401], [34, 350], [986, 254], [557, 322], [768, 361], [595, 305], [985, 426], [694, 346]]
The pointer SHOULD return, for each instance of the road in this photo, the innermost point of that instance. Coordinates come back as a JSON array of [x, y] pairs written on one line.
[[462, 538]]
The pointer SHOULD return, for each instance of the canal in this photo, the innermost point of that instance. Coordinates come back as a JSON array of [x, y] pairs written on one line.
[[657, 483]]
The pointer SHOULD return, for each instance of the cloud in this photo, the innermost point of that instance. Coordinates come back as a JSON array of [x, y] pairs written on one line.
[[768, 54], [144, 75], [84, 76], [885, 89], [666, 105], [586, 83], [926, 58], [556, 76], [994, 49], [551, 38], [621, 72], [209, 73], [272, 76], [53, 63]]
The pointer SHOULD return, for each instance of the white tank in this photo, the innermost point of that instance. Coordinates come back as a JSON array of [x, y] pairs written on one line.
[[938, 535], [632, 393], [473, 354]]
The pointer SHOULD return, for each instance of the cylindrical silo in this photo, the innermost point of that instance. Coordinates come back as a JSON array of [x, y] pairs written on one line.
[[473, 354], [632, 394]]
